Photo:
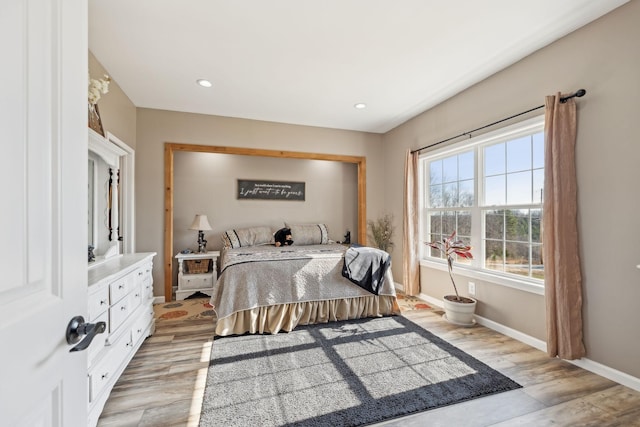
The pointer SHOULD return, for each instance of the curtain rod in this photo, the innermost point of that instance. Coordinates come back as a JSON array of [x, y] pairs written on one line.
[[578, 94]]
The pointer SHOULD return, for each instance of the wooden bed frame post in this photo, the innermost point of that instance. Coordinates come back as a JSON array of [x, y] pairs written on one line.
[[171, 147]]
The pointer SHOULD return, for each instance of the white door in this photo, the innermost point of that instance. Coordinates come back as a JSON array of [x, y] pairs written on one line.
[[43, 215]]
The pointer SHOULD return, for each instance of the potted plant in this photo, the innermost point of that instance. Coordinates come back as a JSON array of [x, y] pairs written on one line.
[[458, 310]]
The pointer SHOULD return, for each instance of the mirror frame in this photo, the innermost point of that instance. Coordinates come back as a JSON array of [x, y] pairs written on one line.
[[110, 153]]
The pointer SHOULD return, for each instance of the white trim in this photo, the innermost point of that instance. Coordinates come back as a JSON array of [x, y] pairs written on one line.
[[127, 177], [607, 372], [511, 282], [584, 363], [475, 144], [158, 300]]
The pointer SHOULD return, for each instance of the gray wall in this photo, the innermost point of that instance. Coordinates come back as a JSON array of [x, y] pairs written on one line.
[[603, 58], [207, 182]]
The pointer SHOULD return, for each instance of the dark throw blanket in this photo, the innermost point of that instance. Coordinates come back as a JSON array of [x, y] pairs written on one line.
[[366, 267]]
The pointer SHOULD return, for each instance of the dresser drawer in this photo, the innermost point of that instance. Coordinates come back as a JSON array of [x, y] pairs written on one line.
[[100, 340], [107, 369], [196, 281], [135, 298], [118, 313], [119, 288], [141, 325], [98, 303]]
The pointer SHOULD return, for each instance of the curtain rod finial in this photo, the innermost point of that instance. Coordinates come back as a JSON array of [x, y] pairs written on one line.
[[580, 93]]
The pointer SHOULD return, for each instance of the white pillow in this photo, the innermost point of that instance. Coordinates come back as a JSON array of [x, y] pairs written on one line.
[[251, 236], [309, 234]]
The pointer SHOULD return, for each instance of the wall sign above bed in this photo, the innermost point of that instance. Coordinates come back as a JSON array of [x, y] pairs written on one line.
[[270, 190]]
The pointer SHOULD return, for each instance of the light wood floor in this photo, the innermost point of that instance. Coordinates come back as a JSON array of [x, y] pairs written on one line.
[[163, 384]]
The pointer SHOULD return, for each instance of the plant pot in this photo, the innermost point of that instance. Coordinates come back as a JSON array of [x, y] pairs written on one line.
[[459, 312]]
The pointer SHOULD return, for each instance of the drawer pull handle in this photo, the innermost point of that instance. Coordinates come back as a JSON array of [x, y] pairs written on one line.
[[120, 286], [137, 295], [105, 375], [77, 328], [139, 273], [123, 308], [103, 302]]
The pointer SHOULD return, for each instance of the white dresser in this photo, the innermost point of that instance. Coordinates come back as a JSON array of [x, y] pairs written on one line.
[[120, 294]]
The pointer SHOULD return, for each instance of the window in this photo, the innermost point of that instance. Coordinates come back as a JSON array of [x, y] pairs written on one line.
[[490, 191]]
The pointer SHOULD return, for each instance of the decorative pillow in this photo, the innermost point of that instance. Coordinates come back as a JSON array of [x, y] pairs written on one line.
[[251, 236], [309, 234]]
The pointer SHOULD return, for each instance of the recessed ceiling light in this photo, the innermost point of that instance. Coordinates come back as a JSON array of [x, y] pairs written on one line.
[[204, 83], [360, 106]]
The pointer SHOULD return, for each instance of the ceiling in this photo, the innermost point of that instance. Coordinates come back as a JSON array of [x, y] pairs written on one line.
[[309, 62]]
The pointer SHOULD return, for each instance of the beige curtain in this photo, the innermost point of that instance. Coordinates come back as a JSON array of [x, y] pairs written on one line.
[[563, 281], [410, 262]]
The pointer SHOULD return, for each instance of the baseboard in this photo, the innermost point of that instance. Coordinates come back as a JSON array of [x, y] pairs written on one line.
[[607, 372], [158, 300], [587, 364], [398, 286]]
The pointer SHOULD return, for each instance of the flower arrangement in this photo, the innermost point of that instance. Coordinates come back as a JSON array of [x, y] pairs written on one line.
[[98, 87], [381, 232], [449, 247]]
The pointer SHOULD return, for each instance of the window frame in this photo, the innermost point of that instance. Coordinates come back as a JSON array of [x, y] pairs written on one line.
[[475, 269]]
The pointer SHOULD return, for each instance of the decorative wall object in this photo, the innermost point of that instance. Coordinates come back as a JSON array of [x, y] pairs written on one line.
[[97, 87], [270, 190]]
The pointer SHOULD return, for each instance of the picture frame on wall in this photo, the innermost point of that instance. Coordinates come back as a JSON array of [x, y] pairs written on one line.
[[270, 190]]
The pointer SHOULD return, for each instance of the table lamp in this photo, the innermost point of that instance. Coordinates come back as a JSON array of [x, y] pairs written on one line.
[[201, 223]]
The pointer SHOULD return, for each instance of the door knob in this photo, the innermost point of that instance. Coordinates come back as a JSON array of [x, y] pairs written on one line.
[[77, 328]]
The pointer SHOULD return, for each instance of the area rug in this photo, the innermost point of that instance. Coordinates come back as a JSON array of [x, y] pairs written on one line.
[[340, 374]]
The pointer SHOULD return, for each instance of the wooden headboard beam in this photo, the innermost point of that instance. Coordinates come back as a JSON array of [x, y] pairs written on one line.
[[171, 147]]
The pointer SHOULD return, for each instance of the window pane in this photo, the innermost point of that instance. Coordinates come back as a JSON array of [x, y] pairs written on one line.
[[494, 191], [450, 194], [450, 169], [536, 225], [538, 185], [537, 268], [519, 154], [435, 224], [538, 150], [466, 197], [464, 224], [517, 258], [519, 188], [494, 224], [517, 225], [435, 172], [494, 160], [435, 196], [448, 223], [494, 259], [466, 169]]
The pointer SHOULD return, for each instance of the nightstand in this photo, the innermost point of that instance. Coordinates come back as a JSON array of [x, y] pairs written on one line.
[[197, 272]]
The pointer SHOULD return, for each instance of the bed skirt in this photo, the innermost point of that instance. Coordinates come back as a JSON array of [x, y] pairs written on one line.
[[285, 317]]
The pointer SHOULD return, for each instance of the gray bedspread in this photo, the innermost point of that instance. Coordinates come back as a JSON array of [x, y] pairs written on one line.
[[261, 276]]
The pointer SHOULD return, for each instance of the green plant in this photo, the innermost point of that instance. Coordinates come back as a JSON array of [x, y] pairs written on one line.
[[381, 232], [449, 247]]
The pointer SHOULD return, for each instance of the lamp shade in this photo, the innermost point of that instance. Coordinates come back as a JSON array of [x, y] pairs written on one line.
[[200, 222]]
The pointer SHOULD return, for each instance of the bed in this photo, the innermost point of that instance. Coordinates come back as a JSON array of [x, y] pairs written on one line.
[[266, 289]]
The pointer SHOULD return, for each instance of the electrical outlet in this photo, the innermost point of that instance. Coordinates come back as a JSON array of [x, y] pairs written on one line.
[[472, 288]]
